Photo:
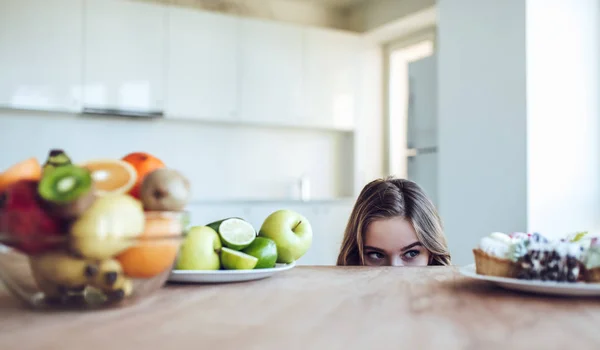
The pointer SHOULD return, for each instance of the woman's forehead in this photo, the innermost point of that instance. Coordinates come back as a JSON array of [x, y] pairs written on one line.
[[390, 234]]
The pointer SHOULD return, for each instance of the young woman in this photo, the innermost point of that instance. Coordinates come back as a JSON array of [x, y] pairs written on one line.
[[393, 223]]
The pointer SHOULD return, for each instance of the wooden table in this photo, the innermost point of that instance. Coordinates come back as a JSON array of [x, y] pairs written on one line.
[[319, 308]]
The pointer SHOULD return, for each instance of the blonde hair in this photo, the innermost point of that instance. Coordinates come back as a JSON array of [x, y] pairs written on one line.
[[387, 198]]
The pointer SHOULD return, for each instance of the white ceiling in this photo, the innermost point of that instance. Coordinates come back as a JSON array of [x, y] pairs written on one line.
[[337, 3]]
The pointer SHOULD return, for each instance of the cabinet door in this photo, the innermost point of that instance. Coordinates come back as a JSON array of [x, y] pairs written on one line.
[[271, 72], [41, 54], [332, 73], [124, 55], [203, 65]]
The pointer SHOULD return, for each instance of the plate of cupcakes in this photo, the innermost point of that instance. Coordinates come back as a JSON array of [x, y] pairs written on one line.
[[535, 264]]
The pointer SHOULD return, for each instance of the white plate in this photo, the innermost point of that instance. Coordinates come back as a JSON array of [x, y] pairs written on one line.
[[225, 276], [538, 287]]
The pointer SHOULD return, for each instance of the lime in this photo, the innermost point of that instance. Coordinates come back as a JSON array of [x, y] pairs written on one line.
[[265, 250], [235, 260], [235, 233]]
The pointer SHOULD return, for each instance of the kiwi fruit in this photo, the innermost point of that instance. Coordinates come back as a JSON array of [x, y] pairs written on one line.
[[56, 158], [67, 191], [165, 190]]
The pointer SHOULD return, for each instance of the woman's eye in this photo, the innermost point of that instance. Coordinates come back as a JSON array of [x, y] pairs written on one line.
[[375, 255], [411, 254]]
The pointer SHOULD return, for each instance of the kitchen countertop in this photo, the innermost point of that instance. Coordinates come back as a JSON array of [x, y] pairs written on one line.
[[319, 308]]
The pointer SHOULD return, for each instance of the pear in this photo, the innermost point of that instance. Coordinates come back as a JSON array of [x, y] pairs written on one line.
[[107, 227]]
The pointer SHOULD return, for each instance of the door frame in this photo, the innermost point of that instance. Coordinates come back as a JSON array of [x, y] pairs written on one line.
[[394, 145]]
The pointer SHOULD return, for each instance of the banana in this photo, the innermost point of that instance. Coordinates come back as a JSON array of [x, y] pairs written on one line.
[[111, 280], [51, 290], [63, 270], [57, 274], [56, 158], [109, 275], [123, 289]]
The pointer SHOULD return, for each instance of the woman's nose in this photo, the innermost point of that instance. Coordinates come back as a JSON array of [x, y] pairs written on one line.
[[396, 261]]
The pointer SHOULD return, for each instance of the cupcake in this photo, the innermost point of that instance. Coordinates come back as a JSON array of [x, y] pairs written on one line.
[[497, 254], [592, 262], [545, 260]]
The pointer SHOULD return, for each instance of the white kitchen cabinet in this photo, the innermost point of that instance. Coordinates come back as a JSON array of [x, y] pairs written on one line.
[[124, 55], [271, 72], [41, 54], [202, 73], [332, 72]]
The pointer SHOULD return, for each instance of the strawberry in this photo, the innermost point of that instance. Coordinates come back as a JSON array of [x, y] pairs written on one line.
[[23, 222]]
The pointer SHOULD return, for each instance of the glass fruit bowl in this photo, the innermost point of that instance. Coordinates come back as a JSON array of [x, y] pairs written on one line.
[[91, 271]]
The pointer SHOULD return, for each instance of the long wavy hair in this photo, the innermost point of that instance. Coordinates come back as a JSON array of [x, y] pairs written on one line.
[[387, 198]]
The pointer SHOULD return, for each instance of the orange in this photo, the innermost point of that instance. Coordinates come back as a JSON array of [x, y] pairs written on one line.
[[152, 257], [111, 175], [28, 169], [144, 164]]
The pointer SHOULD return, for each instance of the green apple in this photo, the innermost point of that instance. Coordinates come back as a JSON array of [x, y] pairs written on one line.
[[200, 250], [291, 232]]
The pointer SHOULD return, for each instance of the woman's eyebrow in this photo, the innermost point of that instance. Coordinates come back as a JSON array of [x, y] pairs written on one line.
[[373, 248], [412, 245]]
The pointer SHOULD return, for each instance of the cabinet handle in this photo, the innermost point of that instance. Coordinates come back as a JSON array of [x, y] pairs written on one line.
[[123, 113], [413, 152]]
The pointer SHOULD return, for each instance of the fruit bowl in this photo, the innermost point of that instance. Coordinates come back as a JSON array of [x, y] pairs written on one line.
[[91, 272]]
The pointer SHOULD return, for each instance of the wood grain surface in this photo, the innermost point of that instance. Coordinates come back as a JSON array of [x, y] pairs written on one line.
[[319, 308]]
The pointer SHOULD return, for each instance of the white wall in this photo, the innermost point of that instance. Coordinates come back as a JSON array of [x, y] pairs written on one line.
[[223, 162], [518, 118], [563, 139], [482, 120]]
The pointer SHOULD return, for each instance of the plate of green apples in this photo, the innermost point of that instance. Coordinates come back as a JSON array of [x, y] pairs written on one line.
[[231, 250]]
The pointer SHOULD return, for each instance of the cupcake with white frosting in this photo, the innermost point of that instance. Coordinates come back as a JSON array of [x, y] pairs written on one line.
[[497, 255], [592, 262], [558, 261]]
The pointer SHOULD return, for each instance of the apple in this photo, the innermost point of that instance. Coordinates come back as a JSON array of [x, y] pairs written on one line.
[[200, 250], [291, 232]]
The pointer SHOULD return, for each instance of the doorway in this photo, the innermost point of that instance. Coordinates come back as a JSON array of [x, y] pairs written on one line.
[[412, 110]]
